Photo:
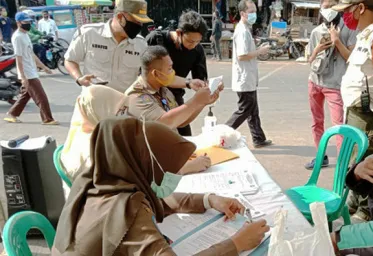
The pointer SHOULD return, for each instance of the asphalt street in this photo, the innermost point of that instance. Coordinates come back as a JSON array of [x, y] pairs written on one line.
[[284, 112]]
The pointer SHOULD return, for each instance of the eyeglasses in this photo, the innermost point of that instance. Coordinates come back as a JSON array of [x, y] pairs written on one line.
[[189, 41]]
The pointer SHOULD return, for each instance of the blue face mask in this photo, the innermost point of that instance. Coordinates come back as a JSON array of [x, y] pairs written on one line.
[[169, 182], [251, 18]]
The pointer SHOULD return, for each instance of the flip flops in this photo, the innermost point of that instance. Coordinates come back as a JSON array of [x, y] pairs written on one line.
[[11, 119]]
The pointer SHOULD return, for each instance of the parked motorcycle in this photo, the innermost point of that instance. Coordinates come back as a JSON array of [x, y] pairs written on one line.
[[279, 48], [54, 54], [10, 85]]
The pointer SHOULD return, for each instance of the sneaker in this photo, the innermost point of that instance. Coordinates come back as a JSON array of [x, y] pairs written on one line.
[[54, 122], [310, 165], [12, 119], [263, 144]]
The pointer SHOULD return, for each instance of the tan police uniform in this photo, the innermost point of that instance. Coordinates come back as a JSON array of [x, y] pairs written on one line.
[[142, 99], [95, 46]]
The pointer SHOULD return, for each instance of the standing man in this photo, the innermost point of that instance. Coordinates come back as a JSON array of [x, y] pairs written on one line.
[[48, 26], [216, 35], [325, 84], [5, 26], [245, 75], [357, 87], [27, 72], [110, 51], [187, 55]]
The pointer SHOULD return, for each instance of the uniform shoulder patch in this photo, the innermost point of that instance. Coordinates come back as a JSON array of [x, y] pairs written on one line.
[[146, 98]]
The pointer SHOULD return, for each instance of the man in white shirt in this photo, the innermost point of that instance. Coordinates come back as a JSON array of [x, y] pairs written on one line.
[[245, 75], [27, 63], [48, 26]]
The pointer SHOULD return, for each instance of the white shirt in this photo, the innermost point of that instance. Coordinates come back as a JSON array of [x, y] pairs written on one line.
[[118, 64], [48, 26], [244, 73], [23, 47], [359, 66]]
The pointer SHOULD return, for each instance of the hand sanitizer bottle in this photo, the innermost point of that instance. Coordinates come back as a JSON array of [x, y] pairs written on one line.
[[210, 120]]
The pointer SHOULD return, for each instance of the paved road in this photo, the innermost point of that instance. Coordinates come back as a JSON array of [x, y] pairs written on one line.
[[284, 113]]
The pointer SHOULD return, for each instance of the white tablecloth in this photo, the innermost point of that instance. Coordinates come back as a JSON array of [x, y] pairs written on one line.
[[269, 197]]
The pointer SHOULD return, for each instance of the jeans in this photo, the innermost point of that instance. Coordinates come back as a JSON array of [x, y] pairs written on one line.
[[317, 96], [216, 48], [40, 52]]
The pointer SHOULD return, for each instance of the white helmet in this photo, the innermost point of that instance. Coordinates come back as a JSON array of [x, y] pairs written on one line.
[[30, 13]]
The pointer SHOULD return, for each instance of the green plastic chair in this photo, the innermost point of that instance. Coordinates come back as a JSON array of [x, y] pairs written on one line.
[[57, 165], [16, 228], [335, 201]]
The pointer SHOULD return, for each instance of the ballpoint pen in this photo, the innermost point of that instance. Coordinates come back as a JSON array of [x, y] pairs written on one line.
[[249, 217]]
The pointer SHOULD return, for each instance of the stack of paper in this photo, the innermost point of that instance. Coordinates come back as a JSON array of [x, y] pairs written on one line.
[[217, 155], [219, 182]]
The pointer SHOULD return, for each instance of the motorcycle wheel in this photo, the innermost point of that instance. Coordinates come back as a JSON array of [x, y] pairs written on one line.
[[61, 66], [297, 52], [63, 43], [264, 57]]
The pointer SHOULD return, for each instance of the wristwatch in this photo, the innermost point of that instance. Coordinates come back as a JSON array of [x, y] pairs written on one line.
[[77, 81], [187, 83]]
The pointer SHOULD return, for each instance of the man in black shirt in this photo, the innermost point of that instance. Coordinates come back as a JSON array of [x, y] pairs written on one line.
[[186, 53]]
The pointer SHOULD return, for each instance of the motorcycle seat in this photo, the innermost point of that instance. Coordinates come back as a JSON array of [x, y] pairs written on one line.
[[6, 57]]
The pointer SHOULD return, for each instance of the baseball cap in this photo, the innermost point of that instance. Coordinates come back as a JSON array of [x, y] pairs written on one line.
[[343, 4], [21, 16], [137, 9]]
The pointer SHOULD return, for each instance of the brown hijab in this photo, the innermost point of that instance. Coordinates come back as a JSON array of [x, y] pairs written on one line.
[[105, 199]]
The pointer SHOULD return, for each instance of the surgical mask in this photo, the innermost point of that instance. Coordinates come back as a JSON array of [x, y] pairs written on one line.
[[251, 18], [350, 21], [26, 26], [169, 182], [168, 80], [132, 29], [4, 14], [329, 14]]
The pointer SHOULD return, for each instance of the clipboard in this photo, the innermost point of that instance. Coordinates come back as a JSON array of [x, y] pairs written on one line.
[[217, 155]]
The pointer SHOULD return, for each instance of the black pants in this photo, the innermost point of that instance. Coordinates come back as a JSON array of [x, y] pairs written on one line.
[[40, 52], [186, 130], [248, 109]]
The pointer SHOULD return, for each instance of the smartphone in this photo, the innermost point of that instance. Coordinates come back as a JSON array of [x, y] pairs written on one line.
[[99, 81], [325, 38]]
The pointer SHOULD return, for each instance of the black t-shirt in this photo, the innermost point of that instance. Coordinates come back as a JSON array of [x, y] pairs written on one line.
[[184, 60]]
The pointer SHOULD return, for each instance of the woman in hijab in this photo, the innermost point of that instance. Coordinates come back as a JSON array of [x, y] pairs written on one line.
[[111, 205], [97, 103]]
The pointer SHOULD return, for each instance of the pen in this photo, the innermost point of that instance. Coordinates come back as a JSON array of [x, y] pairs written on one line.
[[249, 217]]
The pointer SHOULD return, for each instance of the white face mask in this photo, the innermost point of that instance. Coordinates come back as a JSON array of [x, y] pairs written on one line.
[[329, 14], [169, 182]]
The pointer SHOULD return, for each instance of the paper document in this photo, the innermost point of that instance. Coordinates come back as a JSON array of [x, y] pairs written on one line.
[[217, 155], [255, 213], [214, 83], [219, 182], [30, 144], [179, 224], [215, 231]]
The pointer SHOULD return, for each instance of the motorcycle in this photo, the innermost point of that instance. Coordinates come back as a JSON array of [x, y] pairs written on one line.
[[54, 54], [279, 47], [10, 86]]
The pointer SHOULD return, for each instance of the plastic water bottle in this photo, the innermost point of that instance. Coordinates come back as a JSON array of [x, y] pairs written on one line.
[[210, 121], [49, 55]]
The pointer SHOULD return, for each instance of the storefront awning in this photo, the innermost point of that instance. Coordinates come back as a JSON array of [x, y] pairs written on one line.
[[306, 5], [92, 2]]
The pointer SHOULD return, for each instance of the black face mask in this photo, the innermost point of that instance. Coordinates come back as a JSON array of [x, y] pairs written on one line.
[[26, 27], [132, 29]]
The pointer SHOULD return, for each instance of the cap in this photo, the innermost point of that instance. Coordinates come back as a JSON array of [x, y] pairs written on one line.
[[137, 8], [343, 4], [21, 16], [30, 13]]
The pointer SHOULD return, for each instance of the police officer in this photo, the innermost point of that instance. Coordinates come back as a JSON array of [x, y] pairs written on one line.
[[110, 51]]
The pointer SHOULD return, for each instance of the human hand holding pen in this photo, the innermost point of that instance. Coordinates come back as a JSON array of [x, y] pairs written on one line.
[[228, 206]]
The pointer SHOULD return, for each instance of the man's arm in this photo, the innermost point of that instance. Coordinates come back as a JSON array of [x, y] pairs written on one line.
[[199, 69], [243, 44], [75, 54], [344, 50], [39, 63]]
